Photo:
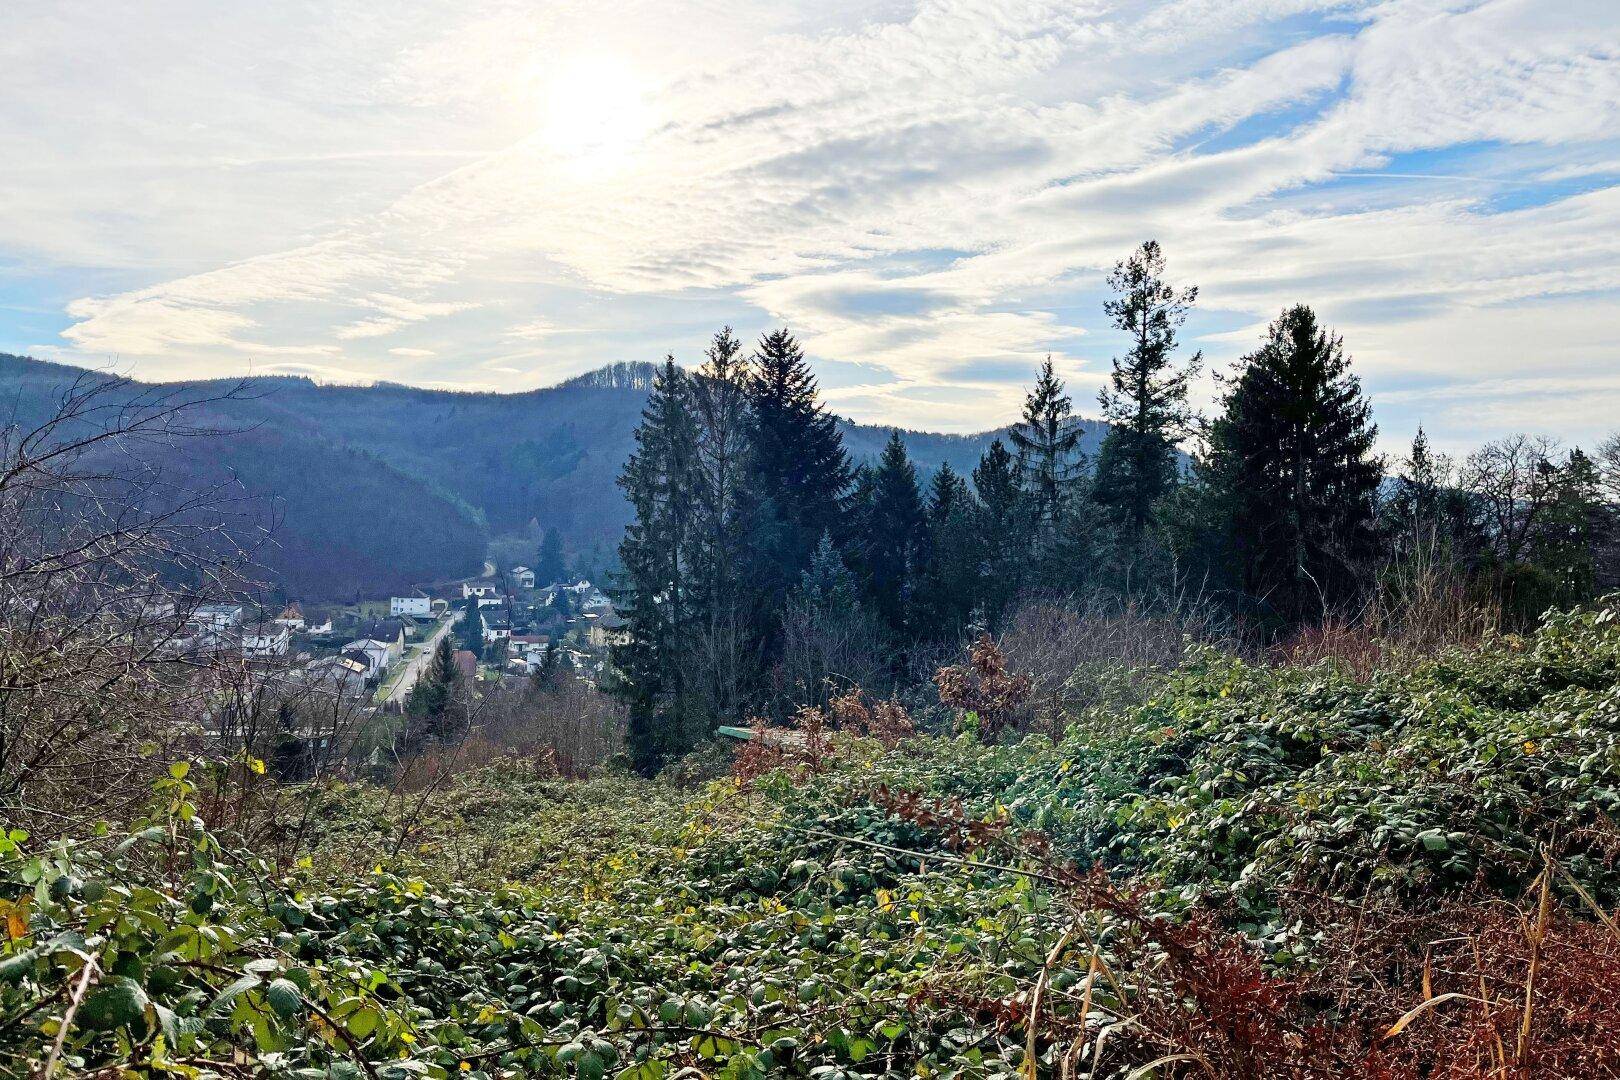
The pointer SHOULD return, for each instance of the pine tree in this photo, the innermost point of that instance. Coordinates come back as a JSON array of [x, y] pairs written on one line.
[[1047, 444], [1572, 531], [827, 585], [431, 704], [892, 534], [1292, 457], [725, 651], [470, 628], [799, 474], [949, 588], [545, 676], [1003, 527], [1146, 399], [550, 566], [657, 590], [830, 640]]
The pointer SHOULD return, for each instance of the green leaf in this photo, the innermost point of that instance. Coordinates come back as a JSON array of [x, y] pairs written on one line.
[[234, 991], [13, 968], [283, 997], [362, 1023], [118, 1002]]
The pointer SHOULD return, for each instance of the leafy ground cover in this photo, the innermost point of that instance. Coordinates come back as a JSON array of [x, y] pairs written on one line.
[[1248, 871]]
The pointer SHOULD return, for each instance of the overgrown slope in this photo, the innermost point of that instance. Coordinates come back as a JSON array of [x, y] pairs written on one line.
[[1292, 860]]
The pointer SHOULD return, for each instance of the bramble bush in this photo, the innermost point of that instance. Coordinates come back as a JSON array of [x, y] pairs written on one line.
[[1251, 871]]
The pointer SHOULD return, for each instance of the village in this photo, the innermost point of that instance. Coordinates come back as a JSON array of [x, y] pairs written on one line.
[[504, 626]]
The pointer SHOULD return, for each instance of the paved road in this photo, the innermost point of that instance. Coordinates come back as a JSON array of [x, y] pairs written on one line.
[[414, 669]]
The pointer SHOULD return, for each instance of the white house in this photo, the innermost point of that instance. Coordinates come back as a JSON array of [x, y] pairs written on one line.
[[338, 672], [217, 617], [414, 606], [497, 627], [523, 576], [480, 591], [376, 654], [265, 639], [292, 618], [322, 627], [605, 630]]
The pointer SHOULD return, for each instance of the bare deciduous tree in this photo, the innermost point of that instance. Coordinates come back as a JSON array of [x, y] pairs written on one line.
[[102, 564], [1515, 481]]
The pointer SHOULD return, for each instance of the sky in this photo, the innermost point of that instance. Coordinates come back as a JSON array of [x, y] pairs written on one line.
[[497, 196]]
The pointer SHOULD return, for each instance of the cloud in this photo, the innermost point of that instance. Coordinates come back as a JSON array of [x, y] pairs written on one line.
[[928, 192]]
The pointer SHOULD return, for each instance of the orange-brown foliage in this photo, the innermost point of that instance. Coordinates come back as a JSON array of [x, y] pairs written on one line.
[[983, 686]]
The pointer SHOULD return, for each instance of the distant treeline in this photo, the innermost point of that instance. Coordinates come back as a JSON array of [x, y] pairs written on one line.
[[368, 490], [764, 567]]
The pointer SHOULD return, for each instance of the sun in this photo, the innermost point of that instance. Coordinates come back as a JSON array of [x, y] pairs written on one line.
[[595, 109]]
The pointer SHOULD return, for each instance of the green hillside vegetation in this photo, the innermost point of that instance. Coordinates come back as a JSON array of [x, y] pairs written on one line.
[[1289, 861]]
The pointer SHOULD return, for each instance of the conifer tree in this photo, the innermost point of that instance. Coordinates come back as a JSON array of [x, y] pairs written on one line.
[[893, 531], [430, 705], [1292, 457], [1572, 531], [949, 587], [1146, 399], [545, 676], [829, 638], [725, 651], [1427, 516], [657, 591], [1047, 444], [550, 566], [799, 473], [1004, 528], [470, 628]]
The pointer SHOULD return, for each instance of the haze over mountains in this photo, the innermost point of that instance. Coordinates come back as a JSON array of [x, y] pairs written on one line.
[[372, 489]]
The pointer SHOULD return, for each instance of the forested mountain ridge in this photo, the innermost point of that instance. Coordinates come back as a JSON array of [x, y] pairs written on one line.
[[370, 489]]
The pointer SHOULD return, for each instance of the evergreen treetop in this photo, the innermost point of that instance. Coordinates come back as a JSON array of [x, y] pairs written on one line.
[[1292, 453], [1047, 443]]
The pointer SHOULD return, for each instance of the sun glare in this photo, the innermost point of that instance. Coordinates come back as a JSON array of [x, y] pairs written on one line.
[[595, 109]]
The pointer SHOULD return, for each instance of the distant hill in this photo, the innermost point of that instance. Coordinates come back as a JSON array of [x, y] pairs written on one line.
[[368, 490]]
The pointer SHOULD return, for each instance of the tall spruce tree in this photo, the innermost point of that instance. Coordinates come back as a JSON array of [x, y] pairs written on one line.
[[1003, 527], [659, 587], [470, 627], [798, 477], [550, 566], [725, 652], [949, 587], [1572, 532], [1292, 457], [1146, 397], [893, 531], [1047, 444], [430, 707]]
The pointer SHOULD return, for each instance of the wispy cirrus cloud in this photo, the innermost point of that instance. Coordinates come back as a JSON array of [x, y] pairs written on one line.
[[928, 192]]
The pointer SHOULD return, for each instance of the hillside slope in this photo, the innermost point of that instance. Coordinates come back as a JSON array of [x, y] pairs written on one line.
[[1243, 870], [373, 488]]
